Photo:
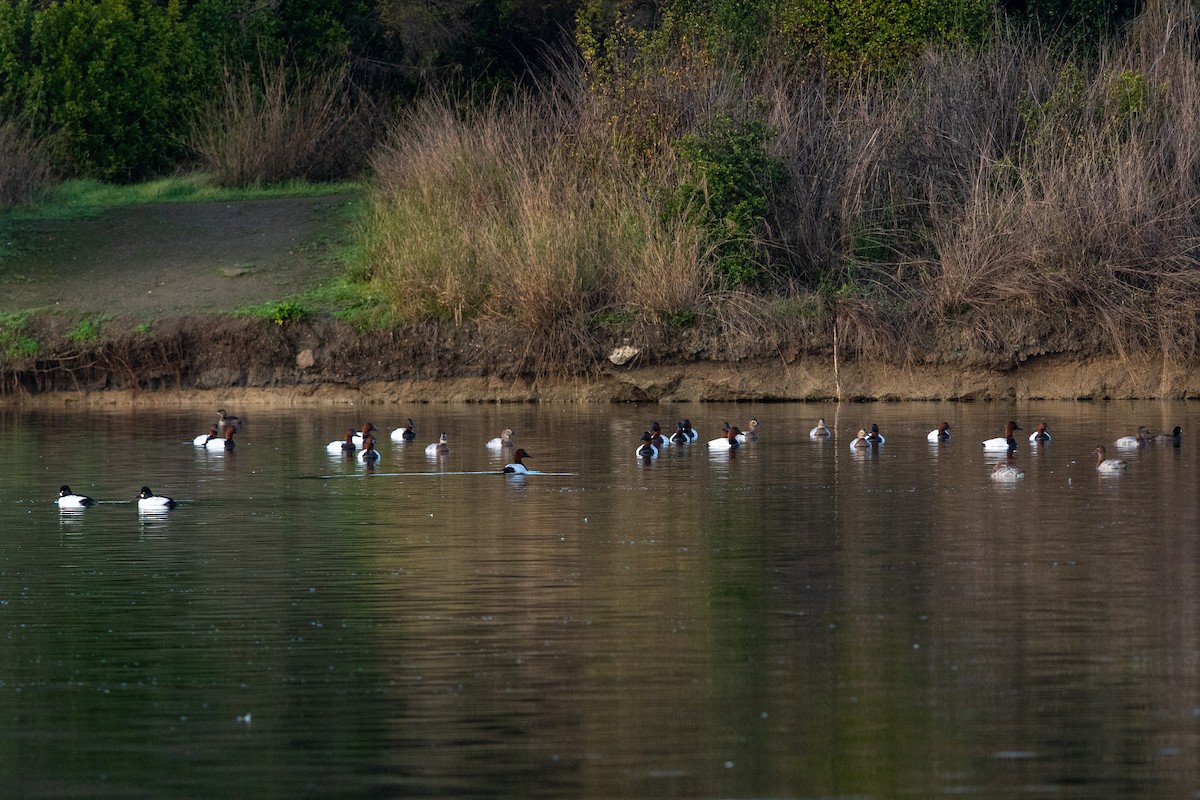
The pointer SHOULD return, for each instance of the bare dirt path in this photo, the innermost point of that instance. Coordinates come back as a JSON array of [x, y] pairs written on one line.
[[156, 261]]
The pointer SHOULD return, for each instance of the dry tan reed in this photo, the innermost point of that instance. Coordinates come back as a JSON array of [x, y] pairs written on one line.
[[1009, 198], [276, 124], [24, 166]]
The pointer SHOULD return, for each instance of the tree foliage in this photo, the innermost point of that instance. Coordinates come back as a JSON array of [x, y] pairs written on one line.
[[109, 84]]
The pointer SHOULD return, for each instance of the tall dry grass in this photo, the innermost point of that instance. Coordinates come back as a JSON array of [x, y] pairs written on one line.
[[515, 214], [24, 166], [276, 124], [1011, 198]]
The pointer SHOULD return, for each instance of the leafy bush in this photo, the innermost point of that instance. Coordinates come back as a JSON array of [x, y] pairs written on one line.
[[728, 178], [15, 343], [88, 330], [109, 80]]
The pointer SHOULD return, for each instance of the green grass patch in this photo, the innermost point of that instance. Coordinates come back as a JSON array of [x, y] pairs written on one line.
[[85, 198], [278, 312], [88, 330], [15, 342], [343, 298]]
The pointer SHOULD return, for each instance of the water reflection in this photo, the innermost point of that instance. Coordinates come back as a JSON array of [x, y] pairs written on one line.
[[788, 618]]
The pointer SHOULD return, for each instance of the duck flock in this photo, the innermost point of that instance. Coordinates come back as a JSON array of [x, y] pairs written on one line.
[[360, 444], [1007, 445]]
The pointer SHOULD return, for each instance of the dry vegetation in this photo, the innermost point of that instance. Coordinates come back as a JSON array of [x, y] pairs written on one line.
[[278, 124], [1007, 199], [24, 166]]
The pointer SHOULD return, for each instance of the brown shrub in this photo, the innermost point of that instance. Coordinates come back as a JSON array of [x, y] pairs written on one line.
[[24, 166], [279, 125]]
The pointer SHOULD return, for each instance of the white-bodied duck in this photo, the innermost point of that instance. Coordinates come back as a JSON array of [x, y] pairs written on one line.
[[404, 434], [646, 450], [821, 431], [369, 455], [679, 436], [517, 467], [69, 500], [939, 434], [860, 440], [149, 501], [730, 442], [1007, 472], [657, 437], [874, 437], [203, 439], [1005, 442], [340, 448], [1042, 434], [360, 437], [440, 447], [1104, 464], [1131, 442], [502, 441]]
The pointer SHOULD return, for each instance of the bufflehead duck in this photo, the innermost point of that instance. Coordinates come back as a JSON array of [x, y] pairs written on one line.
[[501, 441], [149, 501], [441, 446], [1042, 434], [939, 434], [1005, 442], [517, 468], [346, 447], [820, 431], [68, 499], [1109, 464], [405, 434], [646, 449]]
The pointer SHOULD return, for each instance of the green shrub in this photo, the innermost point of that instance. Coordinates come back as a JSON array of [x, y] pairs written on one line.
[[110, 80], [728, 176], [88, 330], [15, 342]]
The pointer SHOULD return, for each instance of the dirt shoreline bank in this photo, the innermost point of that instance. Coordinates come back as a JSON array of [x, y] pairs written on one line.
[[164, 280], [323, 362]]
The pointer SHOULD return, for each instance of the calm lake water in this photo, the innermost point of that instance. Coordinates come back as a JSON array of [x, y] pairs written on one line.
[[795, 620]]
